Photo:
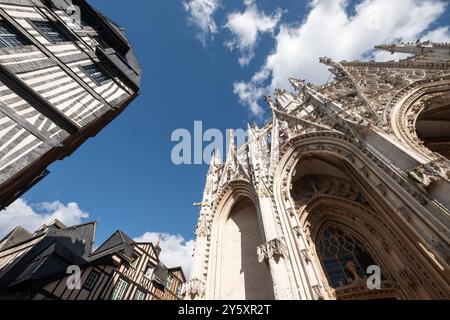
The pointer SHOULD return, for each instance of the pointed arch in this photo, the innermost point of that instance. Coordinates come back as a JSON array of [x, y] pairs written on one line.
[[405, 108], [237, 230], [391, 211]]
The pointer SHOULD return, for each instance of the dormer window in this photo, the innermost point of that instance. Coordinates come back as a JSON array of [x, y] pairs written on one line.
[[179, 290], [10, 38], [134, 260], [169, 281]]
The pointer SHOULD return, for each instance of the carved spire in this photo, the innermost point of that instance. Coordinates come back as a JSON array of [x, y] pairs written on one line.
[[341, 117], [270, 103], [258, 154], [335, 68], [211, 185], [275, 144], [232, 169], [216, 160], [341, 72], [298, 84], [412, 48], [231, 152]]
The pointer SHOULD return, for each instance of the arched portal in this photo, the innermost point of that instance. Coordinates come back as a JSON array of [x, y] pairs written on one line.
[[242, 276], [433, 124], [330, 199]]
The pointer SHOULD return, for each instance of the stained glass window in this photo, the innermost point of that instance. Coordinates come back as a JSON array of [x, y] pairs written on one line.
[[345, 258]]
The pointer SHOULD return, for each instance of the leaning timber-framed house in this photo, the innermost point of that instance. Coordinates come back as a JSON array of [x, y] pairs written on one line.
[[66, 71], [57, 262]]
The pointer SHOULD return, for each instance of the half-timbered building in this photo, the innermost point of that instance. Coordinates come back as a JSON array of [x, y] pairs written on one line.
[[66, 71], [57, 263]]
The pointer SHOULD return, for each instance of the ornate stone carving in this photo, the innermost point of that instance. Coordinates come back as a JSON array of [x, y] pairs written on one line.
[[298, 230], [326, 185], [443, 250], [431, 172], [306, 255], [307, 231], [317, 289], [194, 289], [334, 122], [203, 227], [273, 249]]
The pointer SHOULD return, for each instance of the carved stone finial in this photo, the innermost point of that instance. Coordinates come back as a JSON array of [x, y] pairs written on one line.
[[268, 100], [317, 289], [297, 84], [306, 255], [431, 172], [279, 92], [326, 61], [273, 249]]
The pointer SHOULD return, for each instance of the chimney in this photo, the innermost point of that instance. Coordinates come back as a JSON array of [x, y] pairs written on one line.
[[157, 249]]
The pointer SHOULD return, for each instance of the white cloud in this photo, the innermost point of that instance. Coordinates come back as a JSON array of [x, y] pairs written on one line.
[[175, 250], [250, 92], [30, 217], [201, 14], [329, 30], [441, 34], [246, 28]]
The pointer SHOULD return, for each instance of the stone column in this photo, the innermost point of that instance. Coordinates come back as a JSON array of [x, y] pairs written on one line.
[[274, 253], [196, 287]]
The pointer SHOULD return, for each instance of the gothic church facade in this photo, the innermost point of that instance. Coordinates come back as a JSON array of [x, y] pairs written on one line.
[[345, 178]]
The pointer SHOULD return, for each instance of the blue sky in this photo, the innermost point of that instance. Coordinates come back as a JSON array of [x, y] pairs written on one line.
[[124, 178]]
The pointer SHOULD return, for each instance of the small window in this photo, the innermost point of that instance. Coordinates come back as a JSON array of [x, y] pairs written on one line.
[[134, 260], [9, 38], [169, 281], [91, 280], [139, 295], [50, 31], [96, 75], [119, 290], [149, 272], [179, 289]]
